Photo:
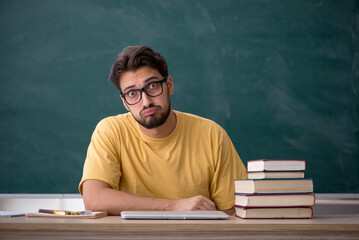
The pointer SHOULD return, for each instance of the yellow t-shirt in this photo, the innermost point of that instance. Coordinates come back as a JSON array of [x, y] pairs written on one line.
[[197, 158]]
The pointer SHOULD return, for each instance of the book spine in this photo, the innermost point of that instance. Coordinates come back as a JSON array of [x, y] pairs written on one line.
[[274, 194], [276, 171], [277, 217], [274, 179], [266, 160], [276, 207]]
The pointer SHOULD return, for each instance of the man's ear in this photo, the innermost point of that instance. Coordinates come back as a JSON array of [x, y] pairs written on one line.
[[170, 85]]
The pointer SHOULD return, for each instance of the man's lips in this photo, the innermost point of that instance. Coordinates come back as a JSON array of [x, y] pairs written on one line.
[[149, 111]]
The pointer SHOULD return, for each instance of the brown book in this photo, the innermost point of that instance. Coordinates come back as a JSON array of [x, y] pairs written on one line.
[[294, 185], [275, 200], [273, 212]]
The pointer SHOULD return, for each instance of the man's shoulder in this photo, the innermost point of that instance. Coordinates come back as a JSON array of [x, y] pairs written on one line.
[[116, 121], [195, 120]]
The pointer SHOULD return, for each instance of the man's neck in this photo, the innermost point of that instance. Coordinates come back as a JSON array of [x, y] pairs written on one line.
[[164, 130]]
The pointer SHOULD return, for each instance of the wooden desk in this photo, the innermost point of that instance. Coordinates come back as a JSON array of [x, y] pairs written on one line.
[[111, 227]]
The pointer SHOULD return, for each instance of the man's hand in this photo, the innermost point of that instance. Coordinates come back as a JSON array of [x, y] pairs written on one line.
[[199, 202]]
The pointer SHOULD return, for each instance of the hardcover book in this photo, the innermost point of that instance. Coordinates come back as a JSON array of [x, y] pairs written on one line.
[[262, 175], [275, 200], [292, 185], [273, 212], [275, 165]]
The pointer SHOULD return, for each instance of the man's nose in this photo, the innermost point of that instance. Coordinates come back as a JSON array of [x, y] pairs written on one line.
[[146, 100]]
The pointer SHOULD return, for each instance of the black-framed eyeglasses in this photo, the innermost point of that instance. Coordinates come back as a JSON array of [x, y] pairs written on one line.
[[152, 89]]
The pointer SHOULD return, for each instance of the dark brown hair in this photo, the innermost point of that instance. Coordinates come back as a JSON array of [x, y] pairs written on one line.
[[133, 57]]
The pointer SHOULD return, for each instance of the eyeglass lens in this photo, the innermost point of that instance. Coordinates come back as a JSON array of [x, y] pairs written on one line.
[[153, 89]]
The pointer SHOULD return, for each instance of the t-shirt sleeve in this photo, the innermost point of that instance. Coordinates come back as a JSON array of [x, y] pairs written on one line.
[[229, 167], [102, 161]]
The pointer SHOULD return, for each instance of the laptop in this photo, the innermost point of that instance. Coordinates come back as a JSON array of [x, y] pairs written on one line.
[[175, 215]]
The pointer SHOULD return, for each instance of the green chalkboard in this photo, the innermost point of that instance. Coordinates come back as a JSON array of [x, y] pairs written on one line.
[[281, 76]]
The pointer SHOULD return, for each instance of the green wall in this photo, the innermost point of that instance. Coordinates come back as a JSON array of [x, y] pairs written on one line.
[[280, 76]]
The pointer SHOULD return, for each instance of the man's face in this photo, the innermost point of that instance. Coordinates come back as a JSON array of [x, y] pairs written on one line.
[[150, 112]]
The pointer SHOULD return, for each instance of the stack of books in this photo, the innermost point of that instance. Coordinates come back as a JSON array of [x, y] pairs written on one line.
[[274, 189]]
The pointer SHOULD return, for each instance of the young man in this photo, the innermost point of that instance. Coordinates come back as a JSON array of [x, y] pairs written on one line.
[[155, 158]]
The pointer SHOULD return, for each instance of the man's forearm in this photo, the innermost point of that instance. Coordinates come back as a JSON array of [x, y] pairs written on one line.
[[100, 196], [114, 201]]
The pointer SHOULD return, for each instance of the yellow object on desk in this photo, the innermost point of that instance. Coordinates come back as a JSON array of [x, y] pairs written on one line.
[[67, 214], [64, 212]]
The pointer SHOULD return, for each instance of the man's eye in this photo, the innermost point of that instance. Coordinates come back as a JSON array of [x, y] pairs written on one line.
[[153, 85], [132, 94]]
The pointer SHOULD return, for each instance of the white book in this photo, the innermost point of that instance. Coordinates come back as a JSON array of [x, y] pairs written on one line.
[[8, 214], [275, 165], [266, 175]]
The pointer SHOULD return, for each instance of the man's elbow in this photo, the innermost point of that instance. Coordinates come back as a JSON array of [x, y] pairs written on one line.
[[90, 203], [230, 211], [92, 196]]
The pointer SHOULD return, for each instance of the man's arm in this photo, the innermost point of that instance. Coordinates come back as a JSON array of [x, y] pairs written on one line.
[[99, 195]]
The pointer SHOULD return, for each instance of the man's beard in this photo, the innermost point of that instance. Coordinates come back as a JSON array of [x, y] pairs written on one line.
[[155, 121]]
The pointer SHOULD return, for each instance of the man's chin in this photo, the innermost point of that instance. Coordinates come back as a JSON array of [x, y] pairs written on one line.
[[150, 122], [155, 120]]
